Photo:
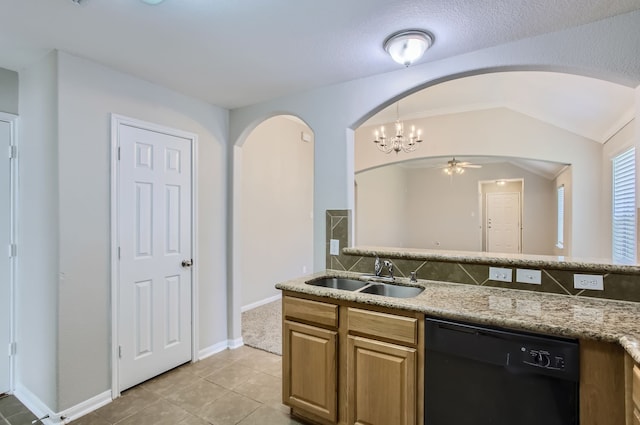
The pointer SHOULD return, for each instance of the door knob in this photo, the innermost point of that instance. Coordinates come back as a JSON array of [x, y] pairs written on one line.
[[187, 263]]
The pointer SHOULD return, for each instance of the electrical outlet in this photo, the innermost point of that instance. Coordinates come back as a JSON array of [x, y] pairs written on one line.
[[588, 281], [334, 247], [500, 274], [529, 276]]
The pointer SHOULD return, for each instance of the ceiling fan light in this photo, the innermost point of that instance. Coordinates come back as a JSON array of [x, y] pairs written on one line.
[[407, 46]]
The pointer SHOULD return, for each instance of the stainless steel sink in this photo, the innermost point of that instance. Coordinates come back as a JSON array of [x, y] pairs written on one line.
[[395, 291], [339, 283]]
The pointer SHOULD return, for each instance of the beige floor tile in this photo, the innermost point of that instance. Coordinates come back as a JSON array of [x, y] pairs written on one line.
[[131, 402], [231, 376], [91, 419], [171, 381], [267, 415], [193, 420], [192, 398], [209, 365], [263, 388], [263, 362], [159, 413], [228, 410], [21, 418]]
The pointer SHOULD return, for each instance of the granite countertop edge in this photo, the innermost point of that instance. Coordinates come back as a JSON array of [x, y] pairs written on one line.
[[551, 314], [517, 260]]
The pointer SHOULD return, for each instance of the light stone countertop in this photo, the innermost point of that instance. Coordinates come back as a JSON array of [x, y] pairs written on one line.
[[588, 265], [560, 315]]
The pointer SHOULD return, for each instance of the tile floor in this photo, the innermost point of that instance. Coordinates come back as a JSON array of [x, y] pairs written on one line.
[[241, 386], [12, 412]]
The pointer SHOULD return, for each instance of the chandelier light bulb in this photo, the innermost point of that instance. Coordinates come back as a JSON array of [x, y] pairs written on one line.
[[398, 142]]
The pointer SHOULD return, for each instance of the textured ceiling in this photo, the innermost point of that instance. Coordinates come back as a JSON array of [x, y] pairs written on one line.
[[236, 53]]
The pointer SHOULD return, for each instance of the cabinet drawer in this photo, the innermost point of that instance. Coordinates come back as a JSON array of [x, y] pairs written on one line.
[[398, 328], [311, 311], [636, 387]]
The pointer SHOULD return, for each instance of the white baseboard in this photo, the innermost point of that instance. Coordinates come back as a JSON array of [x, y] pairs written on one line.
[[231, 344], [261, 302], [235, 343], [213, 349], [87, 406], [38, 408]]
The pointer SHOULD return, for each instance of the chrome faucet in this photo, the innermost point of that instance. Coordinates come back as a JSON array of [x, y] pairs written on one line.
[[389, 265], [377, 267]]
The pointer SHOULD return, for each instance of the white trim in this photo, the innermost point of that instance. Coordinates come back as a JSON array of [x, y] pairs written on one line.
[[116, 122], [36, 406], [13, 121], [86, 407], [261, 302], [213, 349], [235, 343]]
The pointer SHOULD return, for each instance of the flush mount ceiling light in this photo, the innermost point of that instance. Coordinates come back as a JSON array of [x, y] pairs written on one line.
[[152, 1], [407, 46]]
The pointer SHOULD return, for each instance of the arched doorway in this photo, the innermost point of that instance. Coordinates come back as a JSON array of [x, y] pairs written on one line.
[[274, 215]]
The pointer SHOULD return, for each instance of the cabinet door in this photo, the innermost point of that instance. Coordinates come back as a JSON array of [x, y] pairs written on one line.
[[310, 370], [382, 383]]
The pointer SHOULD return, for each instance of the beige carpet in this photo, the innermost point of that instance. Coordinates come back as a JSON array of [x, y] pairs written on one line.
[[262, 327]]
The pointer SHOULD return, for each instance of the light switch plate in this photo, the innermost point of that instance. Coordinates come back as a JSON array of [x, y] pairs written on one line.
[[529, 276], [334, 247], [500, 274], [588, 281]]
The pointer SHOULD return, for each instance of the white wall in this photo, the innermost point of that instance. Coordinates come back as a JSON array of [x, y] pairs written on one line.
[[65, 178], [503, 132], [380, 208], [332, 111], [9, 91], [277, 205], [38, 236], [442, 212]]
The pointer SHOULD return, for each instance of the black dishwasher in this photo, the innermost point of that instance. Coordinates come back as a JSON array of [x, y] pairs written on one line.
[[476, 375]]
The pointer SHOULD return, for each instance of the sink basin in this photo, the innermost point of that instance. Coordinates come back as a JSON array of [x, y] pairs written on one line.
[[395, 291], [339, 283]]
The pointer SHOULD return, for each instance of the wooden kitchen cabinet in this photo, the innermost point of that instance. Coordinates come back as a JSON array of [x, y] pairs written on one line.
[[636, 395], [345, 363], [382, 382], [632, 386], [309, 358], [382, 365]]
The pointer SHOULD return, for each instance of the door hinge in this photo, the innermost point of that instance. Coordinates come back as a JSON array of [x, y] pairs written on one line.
[[118, 153], [12, 349], [13, 151], [119, 351], [13, 250], [118, 253]]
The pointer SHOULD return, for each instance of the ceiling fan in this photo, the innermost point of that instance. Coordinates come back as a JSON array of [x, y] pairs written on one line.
[[457, 167]]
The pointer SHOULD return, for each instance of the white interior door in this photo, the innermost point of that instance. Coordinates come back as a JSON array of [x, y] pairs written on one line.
[[5, 258], [503, 222], [155, 231]]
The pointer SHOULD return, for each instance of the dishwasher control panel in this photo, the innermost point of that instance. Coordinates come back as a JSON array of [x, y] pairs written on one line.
[[542, 358]]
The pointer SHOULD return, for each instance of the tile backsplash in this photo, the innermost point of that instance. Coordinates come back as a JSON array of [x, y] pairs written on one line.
[[617, 286]]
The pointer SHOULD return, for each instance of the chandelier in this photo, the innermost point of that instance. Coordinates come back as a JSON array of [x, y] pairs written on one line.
[[398, 142]]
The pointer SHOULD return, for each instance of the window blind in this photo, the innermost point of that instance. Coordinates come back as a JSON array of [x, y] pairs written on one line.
[[560, 214], [624, 207]]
